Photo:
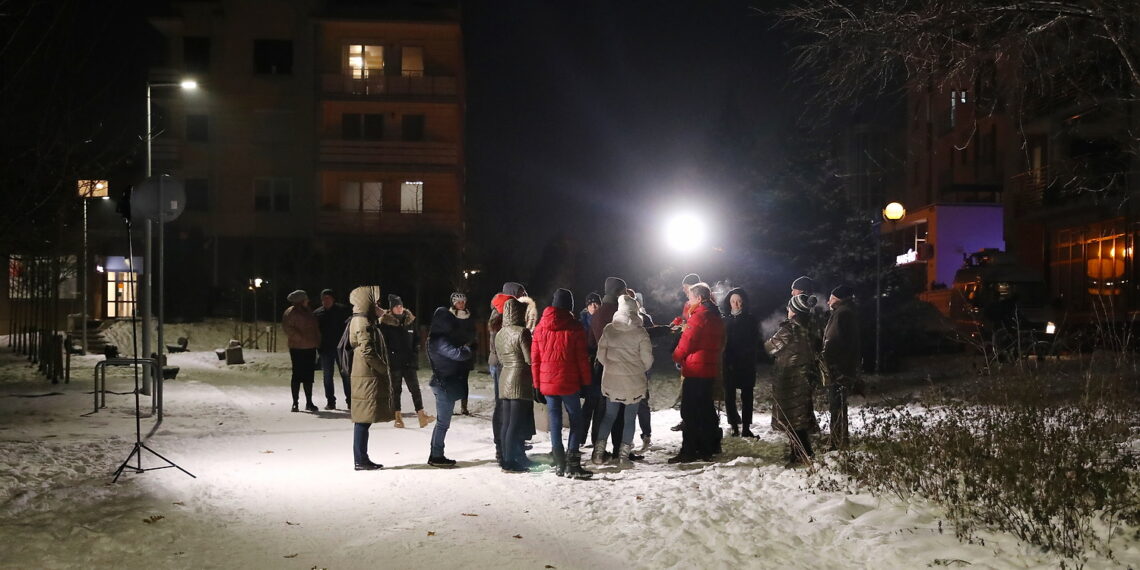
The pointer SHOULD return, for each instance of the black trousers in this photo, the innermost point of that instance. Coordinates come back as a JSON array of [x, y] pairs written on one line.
[[746, 398], [593, 407], [701, 435], [837, 405], [303, 360], [406, 375]]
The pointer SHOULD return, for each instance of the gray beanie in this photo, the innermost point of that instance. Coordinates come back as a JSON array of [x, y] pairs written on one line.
[[804, 283], [394, 301], [563, 299], [691, 279], [298, 296]]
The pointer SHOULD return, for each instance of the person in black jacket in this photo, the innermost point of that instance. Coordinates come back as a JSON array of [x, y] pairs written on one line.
[[449, 351], [842, 355], [332, 317], [399, 330], [742, 340]]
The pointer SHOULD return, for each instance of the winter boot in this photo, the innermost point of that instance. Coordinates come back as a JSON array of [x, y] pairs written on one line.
[[294, 407], [559, 462], [574, 468], [311, 407], [746, 432], [646, 441], [599, 455], [424, 418], [399, 421], [735, 430], [624, 459]]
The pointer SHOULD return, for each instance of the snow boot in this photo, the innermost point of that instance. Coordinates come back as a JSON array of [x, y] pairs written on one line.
[[424, 418], [574, 469], [399, 421], [598, 457], [624, 457], [558, 462], [646, 441]]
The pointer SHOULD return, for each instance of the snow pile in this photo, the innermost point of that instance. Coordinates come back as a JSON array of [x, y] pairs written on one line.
[[276, 489]]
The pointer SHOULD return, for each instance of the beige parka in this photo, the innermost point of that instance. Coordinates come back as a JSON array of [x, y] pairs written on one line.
[[371, 385]]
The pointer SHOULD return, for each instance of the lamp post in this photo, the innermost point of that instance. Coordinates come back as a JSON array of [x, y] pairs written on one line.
[[186, 85], [87, 189], [893, 212]]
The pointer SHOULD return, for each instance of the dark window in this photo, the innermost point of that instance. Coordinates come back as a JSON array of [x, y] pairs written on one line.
[[273, 57], [197, 195], [350, 126], [355, 126], [413, 128], [197, 128], [272, 194], [196, 53]]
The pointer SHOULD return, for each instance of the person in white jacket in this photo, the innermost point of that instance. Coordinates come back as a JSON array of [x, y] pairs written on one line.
[[625, 353]]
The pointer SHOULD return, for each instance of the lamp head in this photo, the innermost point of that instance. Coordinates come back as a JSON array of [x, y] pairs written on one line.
[[894, 212], [188, 84]]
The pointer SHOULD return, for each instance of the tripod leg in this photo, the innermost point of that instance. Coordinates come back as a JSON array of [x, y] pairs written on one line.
[[134, 450], [172, 464]]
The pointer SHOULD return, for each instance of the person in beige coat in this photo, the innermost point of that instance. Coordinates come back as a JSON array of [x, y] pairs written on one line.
[[303, 334], [371, 384], [625, 353]]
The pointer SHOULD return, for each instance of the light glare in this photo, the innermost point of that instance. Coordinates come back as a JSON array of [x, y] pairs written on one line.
[[685, 232], [189, 84]]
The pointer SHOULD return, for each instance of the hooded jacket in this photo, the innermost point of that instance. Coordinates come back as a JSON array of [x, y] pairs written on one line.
[[401, 338], [495, 322], [558, 354], [450, 360], [626, 354], [796, 376], [513, 344], [371, 384], [841, 350], [699, 351], [741, 343]]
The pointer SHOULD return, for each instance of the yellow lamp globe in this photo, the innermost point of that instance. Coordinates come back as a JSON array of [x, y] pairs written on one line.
[[894, 212]]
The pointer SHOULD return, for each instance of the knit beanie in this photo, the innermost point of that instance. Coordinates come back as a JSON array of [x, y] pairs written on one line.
[[328, 292], [801, 303], [843, 292], [298, 296], [514, 289], [563, 299], [457, 297], [593, 298], [805, 284], [691, 279], [394, 301], [614, 286]]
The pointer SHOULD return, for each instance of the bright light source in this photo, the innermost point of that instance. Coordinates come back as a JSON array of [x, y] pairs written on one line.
[[106, 197], [189, 84], [257, 281], [1050, 327], [894, 212], [93, 188], [99, 268], [685, 232]]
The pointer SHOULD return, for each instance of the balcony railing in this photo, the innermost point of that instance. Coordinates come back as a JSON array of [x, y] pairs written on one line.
[[389, 152], [387, 223], [392, 85]]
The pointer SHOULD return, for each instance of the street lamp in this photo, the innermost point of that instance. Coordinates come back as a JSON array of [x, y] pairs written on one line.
[[893, 212], [88, 189], [185, 85], [685, 232]]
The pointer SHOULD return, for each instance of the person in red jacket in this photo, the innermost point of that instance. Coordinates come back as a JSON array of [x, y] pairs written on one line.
[[699, 353], [560, 369]]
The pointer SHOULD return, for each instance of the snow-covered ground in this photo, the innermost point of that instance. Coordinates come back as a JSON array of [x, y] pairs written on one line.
[[275, 489]]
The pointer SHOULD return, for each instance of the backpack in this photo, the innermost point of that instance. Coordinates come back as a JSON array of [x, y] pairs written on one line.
[[344, 347]]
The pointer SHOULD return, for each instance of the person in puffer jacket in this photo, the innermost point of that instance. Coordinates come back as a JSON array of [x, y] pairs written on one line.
[[796, 376], [699, 353], [625, 354], [516, 386], [560, 369], [450, 363], [371, 385]]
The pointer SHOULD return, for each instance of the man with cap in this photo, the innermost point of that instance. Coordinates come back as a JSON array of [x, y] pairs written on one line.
[[803, 285], [842, 354], [332, 318], [399, 330], [304, 336]]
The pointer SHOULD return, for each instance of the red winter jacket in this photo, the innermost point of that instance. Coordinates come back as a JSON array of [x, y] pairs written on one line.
[[558, 360], [702, 344]]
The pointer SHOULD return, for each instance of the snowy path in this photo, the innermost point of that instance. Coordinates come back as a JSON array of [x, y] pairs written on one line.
[[276, 489]]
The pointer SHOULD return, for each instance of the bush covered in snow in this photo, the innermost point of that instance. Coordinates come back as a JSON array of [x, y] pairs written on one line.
[[1047, 456]]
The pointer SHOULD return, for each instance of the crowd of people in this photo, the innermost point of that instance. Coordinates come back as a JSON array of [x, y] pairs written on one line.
[[592, 366]]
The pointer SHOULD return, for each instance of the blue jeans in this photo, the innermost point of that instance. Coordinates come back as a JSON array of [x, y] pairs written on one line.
[[360, 443], [609, 419], [328, 364], [444, 407], [496, 414], [554, 413]]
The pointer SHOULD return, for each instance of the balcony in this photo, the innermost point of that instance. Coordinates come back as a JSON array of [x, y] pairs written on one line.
[[397, 86], [387, 223], [1028, 189], [417, 154]]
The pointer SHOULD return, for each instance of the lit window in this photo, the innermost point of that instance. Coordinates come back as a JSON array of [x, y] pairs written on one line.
[[412, 198], [365, 61], [412, 61], [93, 188]]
